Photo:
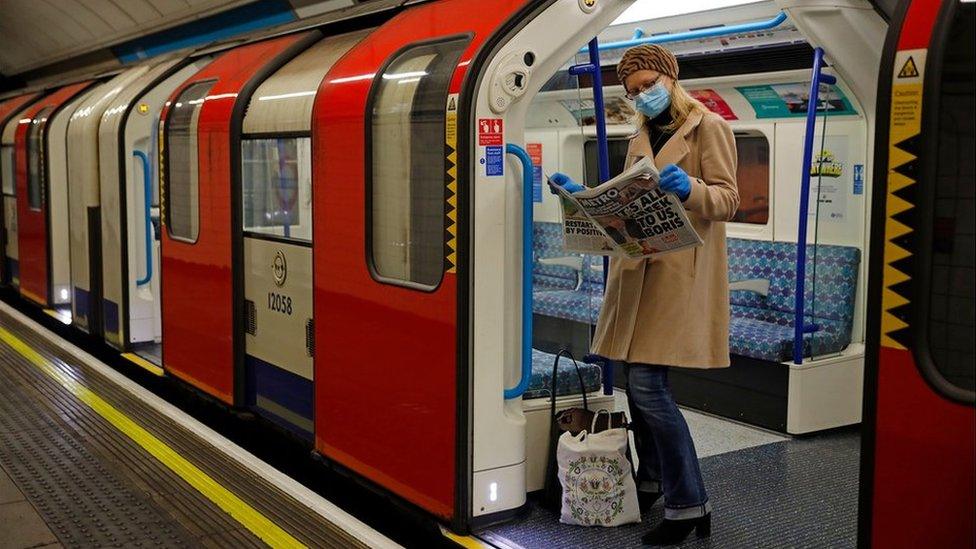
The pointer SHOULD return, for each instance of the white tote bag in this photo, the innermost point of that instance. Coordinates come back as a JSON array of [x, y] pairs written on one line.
[[598, 484]]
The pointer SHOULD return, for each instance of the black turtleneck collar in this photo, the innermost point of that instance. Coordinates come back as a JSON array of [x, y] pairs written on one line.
[[656, 132]]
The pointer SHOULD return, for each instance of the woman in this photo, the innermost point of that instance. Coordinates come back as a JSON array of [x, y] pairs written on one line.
[[672, 310]]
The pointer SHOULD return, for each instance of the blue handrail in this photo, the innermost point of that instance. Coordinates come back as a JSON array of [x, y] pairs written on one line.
[[527, 246], [147, 189], [603, 154], [724, 30], [799, 323]]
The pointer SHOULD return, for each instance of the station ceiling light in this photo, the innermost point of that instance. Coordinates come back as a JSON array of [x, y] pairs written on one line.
[[655, 9]]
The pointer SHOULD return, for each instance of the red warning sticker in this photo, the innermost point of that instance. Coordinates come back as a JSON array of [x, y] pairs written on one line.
[[535, 153], [489, 131]]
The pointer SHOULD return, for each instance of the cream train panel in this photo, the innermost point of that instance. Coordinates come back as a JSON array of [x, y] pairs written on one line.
[[130, 289], [84, 197], [11, 256], [278, 281], [283, 102], [57, 180]]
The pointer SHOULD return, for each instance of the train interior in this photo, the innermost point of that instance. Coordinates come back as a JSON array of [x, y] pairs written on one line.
[[759, 81], [776, 432]]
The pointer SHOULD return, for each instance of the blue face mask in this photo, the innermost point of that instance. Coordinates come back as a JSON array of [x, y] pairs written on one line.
[[652, 102]]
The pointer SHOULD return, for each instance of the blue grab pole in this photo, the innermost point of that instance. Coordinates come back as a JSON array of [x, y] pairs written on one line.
[[799, 324], [147, 188], [603, 153], [765, 24], [527, 247]]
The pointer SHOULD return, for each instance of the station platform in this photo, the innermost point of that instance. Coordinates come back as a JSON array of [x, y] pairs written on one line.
[[89, 458]]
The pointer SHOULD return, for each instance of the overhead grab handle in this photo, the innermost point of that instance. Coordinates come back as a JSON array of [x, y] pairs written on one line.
[[147, 190], [527, 247], [725, 30]]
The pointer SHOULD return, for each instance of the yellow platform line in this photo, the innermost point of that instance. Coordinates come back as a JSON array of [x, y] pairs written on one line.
[[258, 524], [469, 542], [144, 364]]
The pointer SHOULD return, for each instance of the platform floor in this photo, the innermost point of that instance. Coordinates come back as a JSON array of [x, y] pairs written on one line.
[[84, 462]]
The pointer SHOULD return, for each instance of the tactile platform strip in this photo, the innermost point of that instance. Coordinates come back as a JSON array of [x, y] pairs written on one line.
[[201, 520], [800, 494], [83, 503]]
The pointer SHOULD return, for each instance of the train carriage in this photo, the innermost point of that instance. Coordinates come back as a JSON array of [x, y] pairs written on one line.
[[42, 199], [10, 110], [344, 227], [275, 182], [129, 205], [201, 240]]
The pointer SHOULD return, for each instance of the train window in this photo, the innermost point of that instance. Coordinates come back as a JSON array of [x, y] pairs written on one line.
[[277, 186], [951, 226], [7, 159], [406, 198], [618, 156], [182, 171], [752, 178], [35, 160]]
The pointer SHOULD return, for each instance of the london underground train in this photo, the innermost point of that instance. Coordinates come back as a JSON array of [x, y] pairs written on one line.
[[342, 225]]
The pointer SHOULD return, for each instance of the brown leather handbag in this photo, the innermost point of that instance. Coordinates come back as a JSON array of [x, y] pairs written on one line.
[[572, 420]]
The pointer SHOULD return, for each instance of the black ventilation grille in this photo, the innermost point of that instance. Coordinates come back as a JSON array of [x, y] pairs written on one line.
[[310, 337], [250, 317]]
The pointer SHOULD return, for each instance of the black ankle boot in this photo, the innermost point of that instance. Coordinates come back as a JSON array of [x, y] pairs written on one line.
[[673, 532], [646, 500]]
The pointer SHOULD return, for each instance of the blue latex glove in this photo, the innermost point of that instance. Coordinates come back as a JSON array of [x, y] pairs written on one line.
[[675, 180], [565, 182]]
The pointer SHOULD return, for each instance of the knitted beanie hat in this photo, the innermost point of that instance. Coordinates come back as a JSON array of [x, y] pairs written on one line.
[[647, 57]]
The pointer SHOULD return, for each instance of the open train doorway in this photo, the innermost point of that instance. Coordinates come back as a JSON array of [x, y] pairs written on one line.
[[798, 249]]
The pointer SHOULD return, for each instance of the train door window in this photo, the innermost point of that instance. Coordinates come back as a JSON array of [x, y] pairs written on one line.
[[618, 156], [35, 160], [752, 178], [277, 187], [182, 170], [407, 176], [7, 158], [951, 271]]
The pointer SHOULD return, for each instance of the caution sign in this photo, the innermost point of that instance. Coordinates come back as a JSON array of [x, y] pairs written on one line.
[[450, 196], [908, 69], [903, 147]]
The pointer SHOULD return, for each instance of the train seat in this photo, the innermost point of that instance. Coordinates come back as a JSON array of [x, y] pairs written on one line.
[[567, 382], [565, 285], [762, 325]]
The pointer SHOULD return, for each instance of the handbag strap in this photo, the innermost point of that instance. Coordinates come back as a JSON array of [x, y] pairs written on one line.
[[552, 388], [597, 416]]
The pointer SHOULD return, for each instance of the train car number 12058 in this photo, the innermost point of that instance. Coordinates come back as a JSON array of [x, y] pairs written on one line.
[[279, 303]]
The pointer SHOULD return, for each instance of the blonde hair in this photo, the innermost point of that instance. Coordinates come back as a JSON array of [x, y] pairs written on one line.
[[682, 106]]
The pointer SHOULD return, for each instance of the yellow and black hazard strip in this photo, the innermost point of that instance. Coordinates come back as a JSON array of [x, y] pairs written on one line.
[[900, 211], [450, 196]]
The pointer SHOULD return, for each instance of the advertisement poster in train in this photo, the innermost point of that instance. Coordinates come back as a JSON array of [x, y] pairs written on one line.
[[715, 103], [535, 153], [617, 109], [831, 179], [790, 100]]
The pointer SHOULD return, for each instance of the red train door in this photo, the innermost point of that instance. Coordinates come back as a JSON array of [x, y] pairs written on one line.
[[200, 248], [8, 109], [389, 384], [917, 485], [32, 195]]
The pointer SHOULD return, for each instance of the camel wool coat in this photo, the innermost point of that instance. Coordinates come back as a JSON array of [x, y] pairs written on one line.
[[673, 309]]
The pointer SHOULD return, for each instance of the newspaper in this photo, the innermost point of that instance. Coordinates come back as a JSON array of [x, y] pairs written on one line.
[[628, 216]]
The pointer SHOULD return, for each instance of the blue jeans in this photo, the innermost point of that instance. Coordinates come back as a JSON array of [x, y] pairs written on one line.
[[668, 461]]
